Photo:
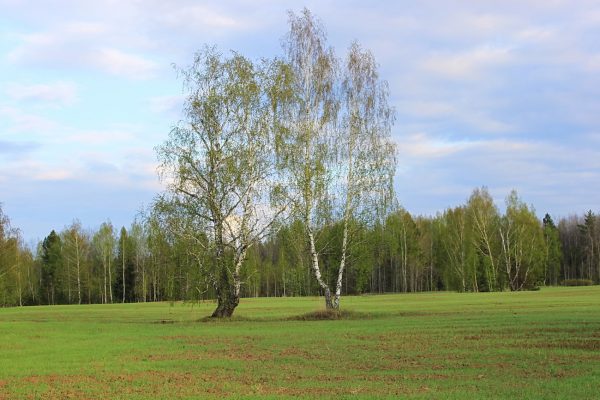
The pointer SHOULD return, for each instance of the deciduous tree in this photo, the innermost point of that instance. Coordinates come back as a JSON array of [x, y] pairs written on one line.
[[219, 163], [337, 152]]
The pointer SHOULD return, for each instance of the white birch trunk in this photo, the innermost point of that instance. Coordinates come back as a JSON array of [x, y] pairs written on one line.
[[123, 262], [78, 263], [338, 286], [317, 271]]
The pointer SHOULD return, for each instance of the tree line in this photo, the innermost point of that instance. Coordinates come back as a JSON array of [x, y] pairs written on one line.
[[472, 247]]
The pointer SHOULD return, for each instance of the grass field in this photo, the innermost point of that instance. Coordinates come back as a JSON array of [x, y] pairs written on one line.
[[543, 344]]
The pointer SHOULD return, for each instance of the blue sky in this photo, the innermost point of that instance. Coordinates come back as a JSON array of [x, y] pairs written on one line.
[[498, 93]]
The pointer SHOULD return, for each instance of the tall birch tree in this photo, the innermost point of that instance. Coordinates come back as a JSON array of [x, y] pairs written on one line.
[[484, 221], [306, 151], [338, 154], [103, 242], [219, 163], [76, 248], [523, 245], [366, 154]]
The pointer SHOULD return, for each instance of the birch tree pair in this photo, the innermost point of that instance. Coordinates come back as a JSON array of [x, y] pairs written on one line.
[[306, 137]]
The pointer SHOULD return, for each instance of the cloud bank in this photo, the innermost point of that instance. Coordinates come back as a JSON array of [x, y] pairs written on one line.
[[503, 94]]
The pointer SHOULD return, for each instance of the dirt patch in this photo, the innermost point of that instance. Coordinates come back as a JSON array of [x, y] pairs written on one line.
[[300, 353], [199, 340], [330, 315], [579, 344]]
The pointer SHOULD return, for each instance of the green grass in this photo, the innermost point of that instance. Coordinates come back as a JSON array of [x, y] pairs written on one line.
[[543, 344]]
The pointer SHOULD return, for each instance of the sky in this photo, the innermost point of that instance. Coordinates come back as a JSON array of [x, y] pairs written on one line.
[[503, 94]]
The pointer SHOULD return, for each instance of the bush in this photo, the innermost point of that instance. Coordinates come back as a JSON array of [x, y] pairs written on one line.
[[577, 282]]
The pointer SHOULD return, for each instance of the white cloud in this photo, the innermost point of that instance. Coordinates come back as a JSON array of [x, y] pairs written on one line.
[[536, 34], [427, 108], [197, 16], [469, 64], [27, 123], [166, 104], [57, 93], [593, 63], [101, 137], [58, 174], [423, 146], [124, 64], [82, 44]]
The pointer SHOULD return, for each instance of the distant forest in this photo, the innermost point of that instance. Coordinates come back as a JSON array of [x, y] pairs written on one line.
[[473, 247]]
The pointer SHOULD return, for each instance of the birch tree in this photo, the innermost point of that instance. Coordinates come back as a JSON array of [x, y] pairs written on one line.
[[306, 150], [339, 156], [457, 246], [139, 238], [401, 239], [104, 247], [76, 249], [523, 245], [219, 163], [12, 265], [366, 154], [484, 220]]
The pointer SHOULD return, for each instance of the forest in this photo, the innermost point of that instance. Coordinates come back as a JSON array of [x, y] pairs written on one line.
[[469, 248]]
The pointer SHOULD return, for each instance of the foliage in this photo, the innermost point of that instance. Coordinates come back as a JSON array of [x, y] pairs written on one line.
[[52, 266], [337, 157], [219, 165]]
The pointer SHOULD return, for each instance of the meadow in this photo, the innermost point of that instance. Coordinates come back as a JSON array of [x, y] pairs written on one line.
[[539, 344]]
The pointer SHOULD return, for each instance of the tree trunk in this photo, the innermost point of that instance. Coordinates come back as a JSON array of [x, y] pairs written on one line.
[[315, 265], [104, 295], [69, 281], [226, 303], [78, 269], [110, 291], [338, 287], [228, 293], [123, 265], [329, 302], [144, 289]]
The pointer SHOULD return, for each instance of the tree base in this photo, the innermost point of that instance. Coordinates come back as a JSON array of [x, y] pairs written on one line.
[[225, 307]]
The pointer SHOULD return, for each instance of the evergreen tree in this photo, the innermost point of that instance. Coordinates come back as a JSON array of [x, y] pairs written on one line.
[[553, 252], [52, 262], [588, 236], [124, 284]]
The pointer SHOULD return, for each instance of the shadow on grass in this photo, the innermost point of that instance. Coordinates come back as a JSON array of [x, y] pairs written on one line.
[[321, 315]]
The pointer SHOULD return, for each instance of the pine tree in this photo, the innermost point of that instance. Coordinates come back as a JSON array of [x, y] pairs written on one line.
[[124, 285], [553, 251], [52, 262]]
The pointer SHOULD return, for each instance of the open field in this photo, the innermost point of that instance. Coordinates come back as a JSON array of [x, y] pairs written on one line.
[[543, 344]]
